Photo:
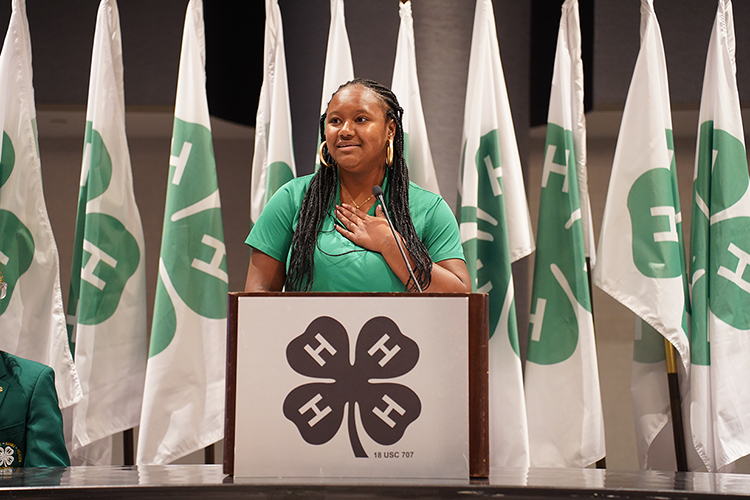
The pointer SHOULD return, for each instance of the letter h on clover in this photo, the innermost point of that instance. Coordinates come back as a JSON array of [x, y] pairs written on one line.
[[382, 352]]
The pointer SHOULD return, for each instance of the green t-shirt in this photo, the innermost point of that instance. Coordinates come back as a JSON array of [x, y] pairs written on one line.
[[340, 265]]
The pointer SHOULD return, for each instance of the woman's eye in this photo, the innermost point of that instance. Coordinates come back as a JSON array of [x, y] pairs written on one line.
[[362, 119]]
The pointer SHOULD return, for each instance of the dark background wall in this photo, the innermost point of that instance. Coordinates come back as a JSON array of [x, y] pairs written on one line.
[[686, 28], [62, 33]]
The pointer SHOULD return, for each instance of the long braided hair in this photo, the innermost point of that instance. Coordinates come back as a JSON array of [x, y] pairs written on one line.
[[322, 190]]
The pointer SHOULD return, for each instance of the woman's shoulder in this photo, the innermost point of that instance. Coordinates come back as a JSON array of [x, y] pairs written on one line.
[[298, 184], [303, 180], [423, 197], [291, 193], [22, 367]]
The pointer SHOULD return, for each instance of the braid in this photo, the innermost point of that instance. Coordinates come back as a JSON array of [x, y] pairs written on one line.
[[398, 202], [319, 197], [315, 205]]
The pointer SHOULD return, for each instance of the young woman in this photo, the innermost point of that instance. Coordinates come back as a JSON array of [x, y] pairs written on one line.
[[325, 232]]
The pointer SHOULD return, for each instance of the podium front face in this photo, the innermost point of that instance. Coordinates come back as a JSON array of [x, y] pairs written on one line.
[[351, 386]]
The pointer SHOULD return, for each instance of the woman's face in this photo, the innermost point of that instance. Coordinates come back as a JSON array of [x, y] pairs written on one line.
[[357, 130]]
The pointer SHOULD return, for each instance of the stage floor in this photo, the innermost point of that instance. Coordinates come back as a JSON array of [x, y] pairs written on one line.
[[208, 481]]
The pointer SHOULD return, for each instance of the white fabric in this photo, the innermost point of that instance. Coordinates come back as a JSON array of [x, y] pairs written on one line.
[[563, 399], [183, 402], [406, 87], [487, 110], [33, 322], [642, 151], [339, 67], [273, 121], [111, 355], [720, 393]]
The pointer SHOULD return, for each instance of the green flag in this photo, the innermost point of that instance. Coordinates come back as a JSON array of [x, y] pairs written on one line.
[[563, 400], [183, 403], [495, 231], [273, 155], [32, 318], [641, 254], [406, 87], [107, 300], [720, 251]]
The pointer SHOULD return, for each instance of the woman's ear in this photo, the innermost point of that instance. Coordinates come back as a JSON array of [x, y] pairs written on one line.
[[391, 127]]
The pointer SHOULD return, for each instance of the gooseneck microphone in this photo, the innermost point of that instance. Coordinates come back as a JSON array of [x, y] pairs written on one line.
[[377, 191]]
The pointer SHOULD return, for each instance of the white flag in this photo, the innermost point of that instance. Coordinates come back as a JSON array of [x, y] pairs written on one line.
[[32, 318], [107, 300], [406, 87], [720, 244], [563, 400], [495, 231], [641, 257], [578, 117], [339, 68], [273, 156], [183, 400]]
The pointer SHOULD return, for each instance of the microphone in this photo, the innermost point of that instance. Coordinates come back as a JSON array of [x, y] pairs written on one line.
[[377, 191]]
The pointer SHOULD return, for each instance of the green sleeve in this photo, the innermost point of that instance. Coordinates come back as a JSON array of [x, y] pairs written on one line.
[[45, 442], [272, 233], [442, 237]]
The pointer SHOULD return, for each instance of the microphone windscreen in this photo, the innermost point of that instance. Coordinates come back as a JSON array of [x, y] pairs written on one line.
[[377, 191]]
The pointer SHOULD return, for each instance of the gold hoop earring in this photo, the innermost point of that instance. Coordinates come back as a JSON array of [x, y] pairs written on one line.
[[389, 153], [320, 155]]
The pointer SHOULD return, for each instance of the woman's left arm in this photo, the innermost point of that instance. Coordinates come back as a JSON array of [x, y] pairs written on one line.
[[45, 441], [450, 275]]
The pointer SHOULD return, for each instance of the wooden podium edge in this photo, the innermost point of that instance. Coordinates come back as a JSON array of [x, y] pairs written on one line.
[[231, 383], [479, 445]]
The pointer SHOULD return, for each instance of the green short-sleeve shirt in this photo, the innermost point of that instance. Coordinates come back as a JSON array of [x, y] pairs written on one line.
[[340, 265]]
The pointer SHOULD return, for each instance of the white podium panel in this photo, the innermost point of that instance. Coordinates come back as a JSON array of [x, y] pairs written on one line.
[[352, 387]]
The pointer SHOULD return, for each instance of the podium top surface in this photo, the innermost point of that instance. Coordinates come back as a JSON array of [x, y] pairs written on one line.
[[201, 481], [352, 294]]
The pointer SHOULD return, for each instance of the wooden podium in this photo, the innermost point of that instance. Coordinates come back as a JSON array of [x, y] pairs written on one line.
[[357, 385]]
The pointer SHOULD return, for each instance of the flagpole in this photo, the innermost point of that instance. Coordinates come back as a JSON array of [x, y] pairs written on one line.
[[600, 464], [678, 427], [208, 454], [128, 447]]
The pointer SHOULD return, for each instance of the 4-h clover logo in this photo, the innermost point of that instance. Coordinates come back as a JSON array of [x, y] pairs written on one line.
[[7, 455], [382, 352]]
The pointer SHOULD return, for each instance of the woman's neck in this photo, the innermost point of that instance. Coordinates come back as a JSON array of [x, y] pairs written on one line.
[[357, 189], [360, 187]]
